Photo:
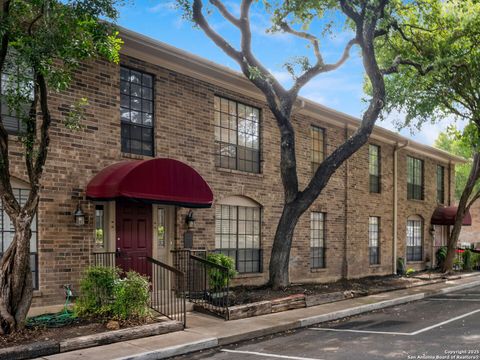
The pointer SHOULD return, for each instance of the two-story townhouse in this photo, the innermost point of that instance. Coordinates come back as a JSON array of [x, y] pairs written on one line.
[[169, 136]]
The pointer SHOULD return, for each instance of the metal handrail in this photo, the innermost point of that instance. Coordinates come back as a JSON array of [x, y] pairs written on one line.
[[208, 262], [166, 266]]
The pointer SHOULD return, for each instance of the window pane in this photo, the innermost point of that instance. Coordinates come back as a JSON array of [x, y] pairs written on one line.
[[137, 107], [237, 124]]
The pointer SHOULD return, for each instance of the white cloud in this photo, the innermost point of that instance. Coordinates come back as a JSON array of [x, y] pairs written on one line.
[[163, 7]]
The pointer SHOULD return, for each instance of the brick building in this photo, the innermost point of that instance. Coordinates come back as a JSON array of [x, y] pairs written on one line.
[[162, 102]]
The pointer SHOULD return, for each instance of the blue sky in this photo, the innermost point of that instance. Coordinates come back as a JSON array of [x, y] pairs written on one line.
[[340, 89]]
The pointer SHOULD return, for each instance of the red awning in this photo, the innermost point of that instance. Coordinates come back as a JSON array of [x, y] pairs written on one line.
[[446, 216], [165, 181]]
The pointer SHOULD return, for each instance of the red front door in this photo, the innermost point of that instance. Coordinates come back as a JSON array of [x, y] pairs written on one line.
[[134, 236]]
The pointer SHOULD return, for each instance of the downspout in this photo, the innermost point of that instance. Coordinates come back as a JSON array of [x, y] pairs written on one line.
[[345, 245], [395, 201]]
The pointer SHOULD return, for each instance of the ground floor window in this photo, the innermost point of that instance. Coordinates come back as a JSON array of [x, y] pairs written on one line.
[[317, 240], [7, 232], [237, 234], [373, 240], [414, 239]]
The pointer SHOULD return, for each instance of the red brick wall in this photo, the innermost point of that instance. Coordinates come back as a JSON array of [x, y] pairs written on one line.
[[184, 131]]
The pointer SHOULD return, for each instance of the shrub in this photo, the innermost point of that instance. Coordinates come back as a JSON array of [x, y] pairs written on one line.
[[131, 297], [218, 279], [103, 294], [457, 263], [467, 258], [409, 272], [400, 266], [97, 290], [441, 255]]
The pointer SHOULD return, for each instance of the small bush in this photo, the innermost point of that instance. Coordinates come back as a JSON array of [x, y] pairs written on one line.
[[441, 256], [467, 258], [400, 266], [131, 297], [103, 294], [217, 278], [97, 290], [410, 271]]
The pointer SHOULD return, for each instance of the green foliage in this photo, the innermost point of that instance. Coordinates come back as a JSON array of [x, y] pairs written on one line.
[[218, 279], [104, 294], [131, 297], [449, 141], [457, 263], [440, 40], [97, 290], [400, 266], [441, 255], [410, 272], [468, 260]]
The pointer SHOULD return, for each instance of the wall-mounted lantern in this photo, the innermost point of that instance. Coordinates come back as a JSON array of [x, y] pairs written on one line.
[[190, 220], [79, 216]]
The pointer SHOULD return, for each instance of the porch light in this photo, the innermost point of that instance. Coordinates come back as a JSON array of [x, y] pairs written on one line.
[[79, 216], [190, 220]]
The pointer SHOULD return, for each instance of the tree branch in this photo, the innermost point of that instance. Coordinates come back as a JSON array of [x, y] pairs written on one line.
[[225, 13], [304, 35], [422, 70]]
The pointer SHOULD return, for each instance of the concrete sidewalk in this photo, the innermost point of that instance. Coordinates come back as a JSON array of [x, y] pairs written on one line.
[[204, 332]]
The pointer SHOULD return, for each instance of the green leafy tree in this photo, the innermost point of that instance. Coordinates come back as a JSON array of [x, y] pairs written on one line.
[[449, 141], [369, 20], [435, 62], [42, 42]]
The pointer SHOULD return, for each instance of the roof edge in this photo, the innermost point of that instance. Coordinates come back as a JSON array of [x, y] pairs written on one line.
[[159, 53]]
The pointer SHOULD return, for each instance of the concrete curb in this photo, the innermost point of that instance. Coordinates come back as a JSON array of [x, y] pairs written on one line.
[[174, 350], [301, 323]]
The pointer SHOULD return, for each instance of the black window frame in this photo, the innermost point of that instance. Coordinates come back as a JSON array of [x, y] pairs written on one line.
[[127, 126], [7, 117], [415, 240], [374, 233], [415, 190], [316, 152], [440, 184], [318, 237], [374, 165], [243, 263], [246, 158], [22, 198]]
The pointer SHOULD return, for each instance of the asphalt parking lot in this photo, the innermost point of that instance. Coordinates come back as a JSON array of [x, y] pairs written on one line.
[[442, 327]]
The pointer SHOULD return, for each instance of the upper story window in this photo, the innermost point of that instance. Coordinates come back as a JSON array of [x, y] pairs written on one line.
[[17, 81], [317, 146], [136, 111], [414, 178], [237, 233], [374, 167], [317, 240], [7, 231], [440, 184], [414, 238], [237, 139]]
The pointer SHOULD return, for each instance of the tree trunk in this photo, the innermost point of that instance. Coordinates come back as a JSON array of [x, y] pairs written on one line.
[[16, 287], [282, 243], [462, 209]]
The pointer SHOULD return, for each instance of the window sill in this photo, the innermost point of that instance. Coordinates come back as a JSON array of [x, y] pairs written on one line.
[[318, 270], [416, 200], [37, 293], [415, 262], [248, 275], [374, 266], [238, 172], [135, 156]]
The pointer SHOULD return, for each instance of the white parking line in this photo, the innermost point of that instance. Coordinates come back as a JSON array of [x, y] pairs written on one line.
[[451, 299], [400, 333], [268, 355]]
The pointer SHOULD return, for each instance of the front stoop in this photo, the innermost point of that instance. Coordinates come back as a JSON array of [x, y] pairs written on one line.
[[43, 348]]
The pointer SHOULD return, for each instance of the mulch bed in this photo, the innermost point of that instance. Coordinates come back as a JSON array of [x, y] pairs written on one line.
[[374, 284], [79, 327]]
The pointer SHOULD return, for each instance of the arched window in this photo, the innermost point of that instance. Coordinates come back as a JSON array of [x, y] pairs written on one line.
[[237, 232], [7, 231], [414, 238]]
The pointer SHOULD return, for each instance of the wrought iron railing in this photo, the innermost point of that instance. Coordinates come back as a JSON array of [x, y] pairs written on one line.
[[208, 286], [106, 259], [164, 297], [181, 261]]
